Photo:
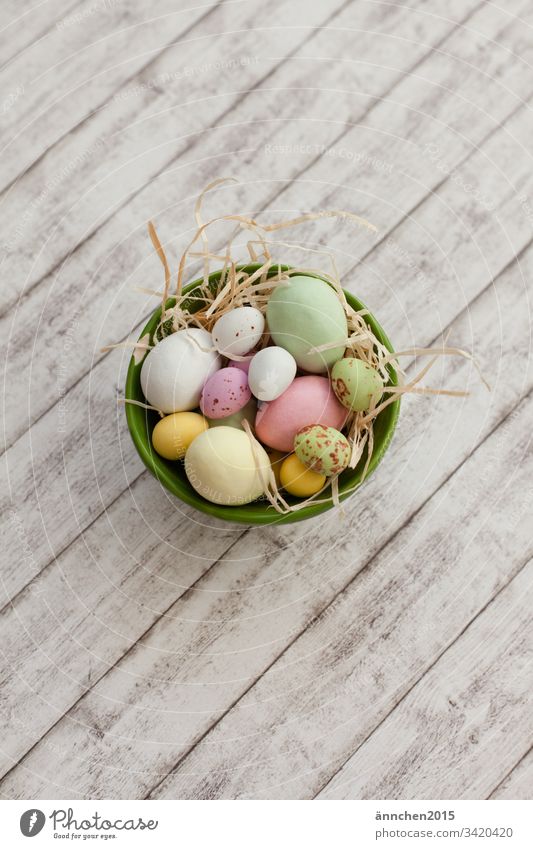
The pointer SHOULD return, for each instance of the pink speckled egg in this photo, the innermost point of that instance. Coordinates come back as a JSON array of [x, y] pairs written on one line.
[[225, 393], [308, 400]]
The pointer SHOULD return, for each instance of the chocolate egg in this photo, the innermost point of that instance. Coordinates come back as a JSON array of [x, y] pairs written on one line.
[[271, 372], [222, 467], [174, 372], [322, 449], [306, 313], [225, 393], [355, 383], [238, 331], [308, 400]]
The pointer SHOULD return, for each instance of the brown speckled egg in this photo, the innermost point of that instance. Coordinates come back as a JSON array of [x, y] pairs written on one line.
[[322, 449]]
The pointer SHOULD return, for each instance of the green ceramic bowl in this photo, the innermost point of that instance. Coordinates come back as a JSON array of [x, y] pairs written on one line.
[[172, 474]]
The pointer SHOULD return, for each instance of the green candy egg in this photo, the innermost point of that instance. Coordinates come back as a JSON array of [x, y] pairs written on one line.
[[355, 382], [306, 313], [322, 449]]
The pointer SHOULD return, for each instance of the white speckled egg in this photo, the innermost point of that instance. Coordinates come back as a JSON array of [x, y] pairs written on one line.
[[174, 372], [220, 465], [271, 372], [238, 331]]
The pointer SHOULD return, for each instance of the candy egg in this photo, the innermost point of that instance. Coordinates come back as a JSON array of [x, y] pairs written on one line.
[[247, 412], [355, 383], [174, 372], [304, 314], [308, 400], [244, 365], [298, 480], [225, 393], [222, 467], [238, 331], [322, 449], [173, 434], [271, 372]]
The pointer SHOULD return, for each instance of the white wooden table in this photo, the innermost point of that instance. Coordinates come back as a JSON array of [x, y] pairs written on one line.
[[384, 652]]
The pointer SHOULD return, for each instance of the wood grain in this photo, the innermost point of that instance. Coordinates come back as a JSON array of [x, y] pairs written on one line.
[[518, 783], [144, 650], [444, 740]]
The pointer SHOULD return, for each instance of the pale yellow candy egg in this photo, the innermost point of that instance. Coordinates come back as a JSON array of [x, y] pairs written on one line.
[[222, 466], [298, 480], [173, 434]]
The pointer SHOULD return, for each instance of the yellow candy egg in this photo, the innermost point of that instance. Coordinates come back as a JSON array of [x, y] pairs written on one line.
[[173, 434], [298, 479]]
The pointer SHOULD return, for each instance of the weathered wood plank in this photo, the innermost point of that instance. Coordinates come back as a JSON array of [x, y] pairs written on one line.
[[109, 273], [112, 155], [83, 60], [140, 161], [518, 784], [191, 666], [460, 728], [27, 25]]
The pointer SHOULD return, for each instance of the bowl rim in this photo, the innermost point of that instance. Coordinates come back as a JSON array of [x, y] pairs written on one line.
[[257, 512]]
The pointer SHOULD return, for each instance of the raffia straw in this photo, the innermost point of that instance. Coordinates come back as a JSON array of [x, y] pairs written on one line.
[[162, 256], [139, 404], [199, 221]]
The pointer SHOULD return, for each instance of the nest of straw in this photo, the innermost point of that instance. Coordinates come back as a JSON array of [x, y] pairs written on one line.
[[238, 286]]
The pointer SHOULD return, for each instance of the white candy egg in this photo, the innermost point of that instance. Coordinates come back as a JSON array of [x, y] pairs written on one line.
[[271, 372], [238, 331], [174, 372]]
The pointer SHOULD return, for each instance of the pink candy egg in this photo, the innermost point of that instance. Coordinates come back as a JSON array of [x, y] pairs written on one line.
[[225, 393], [243, 365], [308, 400]]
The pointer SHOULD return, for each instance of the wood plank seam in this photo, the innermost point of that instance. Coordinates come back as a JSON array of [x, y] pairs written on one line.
[[508, 773], [58, 266], [183, 596], [12, 184], [37, 38], [447, 648]]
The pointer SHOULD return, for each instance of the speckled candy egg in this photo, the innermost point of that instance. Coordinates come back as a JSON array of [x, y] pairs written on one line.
[[222, 467], [322, 449], [247, 412], [304, 314], [308, 400], [238, 331], [271, 372], [355, 382], [174, 372], [225, 393]]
